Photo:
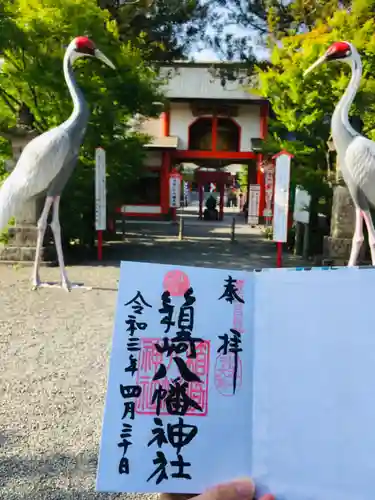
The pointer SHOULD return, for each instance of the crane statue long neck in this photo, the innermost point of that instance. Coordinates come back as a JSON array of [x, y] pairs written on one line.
[[342, 132], [80, 112]]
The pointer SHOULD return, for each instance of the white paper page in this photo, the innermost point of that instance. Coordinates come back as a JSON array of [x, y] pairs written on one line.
[[314, 384], [221, 448]]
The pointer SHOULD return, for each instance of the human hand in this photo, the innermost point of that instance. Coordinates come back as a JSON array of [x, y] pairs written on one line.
[[240, 489]]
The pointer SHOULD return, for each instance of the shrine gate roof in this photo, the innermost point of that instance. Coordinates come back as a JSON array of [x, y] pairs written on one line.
[[209, 81]]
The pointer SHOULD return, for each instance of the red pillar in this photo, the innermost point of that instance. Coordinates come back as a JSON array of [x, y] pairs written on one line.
[[264, 110], [260, 181], [100, 245], [165, 123], [221, 206], [165, 166], [200, 192], [279, 259]]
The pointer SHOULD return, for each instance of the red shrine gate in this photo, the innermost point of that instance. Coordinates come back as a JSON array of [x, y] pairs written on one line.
[[219, 178], [204, 123]]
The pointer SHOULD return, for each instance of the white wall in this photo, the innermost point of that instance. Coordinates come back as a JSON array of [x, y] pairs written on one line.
[[248, 119], [180, 118], [152, 127], [194, 81]]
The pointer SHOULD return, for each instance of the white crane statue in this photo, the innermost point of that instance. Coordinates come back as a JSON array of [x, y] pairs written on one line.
[[355, 153], [48, 161]]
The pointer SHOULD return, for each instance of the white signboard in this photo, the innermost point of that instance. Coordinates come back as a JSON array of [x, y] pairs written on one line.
[[100, 190], [177, 375], [174, 190], [268, 188], [253, 207], [301, 206], [281, 200]]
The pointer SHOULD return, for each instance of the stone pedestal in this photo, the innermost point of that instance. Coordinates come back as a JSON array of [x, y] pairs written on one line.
[[21, 246], [337, 246]]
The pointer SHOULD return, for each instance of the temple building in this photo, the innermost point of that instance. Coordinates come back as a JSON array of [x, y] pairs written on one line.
[[208, 124]]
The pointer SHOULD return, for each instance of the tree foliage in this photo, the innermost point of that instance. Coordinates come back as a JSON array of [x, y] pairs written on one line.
[[33, 92], [242, 25], [173, 27]]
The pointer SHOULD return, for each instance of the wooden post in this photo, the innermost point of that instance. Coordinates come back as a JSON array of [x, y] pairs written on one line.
[[298, 239], [181, 229], [305, 252], [201, 199], [100, 245], [123, 228], [221, 204], [233, 230], [174, 215], [279, 260]]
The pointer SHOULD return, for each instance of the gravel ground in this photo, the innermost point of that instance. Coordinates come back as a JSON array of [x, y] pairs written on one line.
[[54, 350]]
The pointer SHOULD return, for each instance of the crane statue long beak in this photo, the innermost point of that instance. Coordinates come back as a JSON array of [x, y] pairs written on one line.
[[99, 55], [316, 64]]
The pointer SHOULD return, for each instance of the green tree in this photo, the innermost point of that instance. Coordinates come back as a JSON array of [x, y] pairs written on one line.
[[243, 177], [32, 82], [5, 153], [172, 27], [305, 105], [239, 26]]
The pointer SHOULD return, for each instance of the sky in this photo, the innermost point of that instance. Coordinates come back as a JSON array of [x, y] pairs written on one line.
[[210, 55], [207, 54]]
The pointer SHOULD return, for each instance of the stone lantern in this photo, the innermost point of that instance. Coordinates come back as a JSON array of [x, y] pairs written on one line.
[[337, 246], [23, 236]]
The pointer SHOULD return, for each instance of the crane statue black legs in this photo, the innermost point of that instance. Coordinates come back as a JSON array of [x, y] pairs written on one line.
[[56, 229]]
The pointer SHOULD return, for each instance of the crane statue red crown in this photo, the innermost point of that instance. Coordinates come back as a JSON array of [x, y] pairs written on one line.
[[48, 161], [356, 153]]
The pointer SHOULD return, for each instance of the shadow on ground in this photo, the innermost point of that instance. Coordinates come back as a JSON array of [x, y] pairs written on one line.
[[246, 253], [206, 253]]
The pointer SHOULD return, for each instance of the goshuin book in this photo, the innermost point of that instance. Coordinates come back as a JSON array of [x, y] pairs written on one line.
[[217, 374]]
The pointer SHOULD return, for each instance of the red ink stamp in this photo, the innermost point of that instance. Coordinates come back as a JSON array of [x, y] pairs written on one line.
[[227, 365], [176, 283], [224, 374], [148, 363], [238, 308]]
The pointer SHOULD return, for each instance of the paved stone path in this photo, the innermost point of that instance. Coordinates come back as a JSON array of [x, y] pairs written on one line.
[[54, 358]]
